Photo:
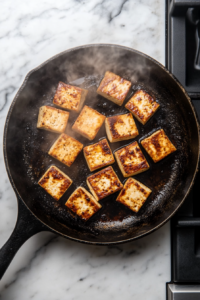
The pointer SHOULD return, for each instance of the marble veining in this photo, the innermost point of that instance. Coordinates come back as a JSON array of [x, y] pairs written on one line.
[[48, 266]]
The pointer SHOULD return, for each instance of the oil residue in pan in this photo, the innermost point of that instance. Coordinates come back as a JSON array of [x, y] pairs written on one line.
[[163, 178]]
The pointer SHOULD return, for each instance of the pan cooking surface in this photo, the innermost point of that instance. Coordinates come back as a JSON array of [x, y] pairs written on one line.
[[27, 146]]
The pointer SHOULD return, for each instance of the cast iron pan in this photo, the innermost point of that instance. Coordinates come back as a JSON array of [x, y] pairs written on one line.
[[26, 147]]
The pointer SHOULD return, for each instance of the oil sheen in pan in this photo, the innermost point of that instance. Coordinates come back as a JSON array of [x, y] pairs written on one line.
[[162, 178]]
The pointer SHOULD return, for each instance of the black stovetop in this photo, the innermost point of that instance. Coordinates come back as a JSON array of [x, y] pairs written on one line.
[[181, 52]]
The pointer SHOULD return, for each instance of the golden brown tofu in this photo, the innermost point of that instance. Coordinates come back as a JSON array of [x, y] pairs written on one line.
[[52, 119], [88, 122], [131, 160], [142, 106], [66, 149], [121, 127], [82, 203], [114, 88], [104, 183], [55, 182], [134, 194], [69, 97], [98, 155], [158, 146]]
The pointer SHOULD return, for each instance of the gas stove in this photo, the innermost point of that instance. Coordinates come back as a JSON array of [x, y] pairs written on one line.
[[183, 60]]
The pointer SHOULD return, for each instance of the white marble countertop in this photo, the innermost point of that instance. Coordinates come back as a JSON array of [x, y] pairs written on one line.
[[48, 266]]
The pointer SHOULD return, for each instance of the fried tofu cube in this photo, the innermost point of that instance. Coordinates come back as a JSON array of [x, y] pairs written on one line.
[[104, 183], [134, 194], [69, 97], [114, 88], [142, 106], [121, 127], [52, 119], [131, 160], [66, 149], [98, 155], [83, 203], [88, 122], [158, 145], [55, 182]]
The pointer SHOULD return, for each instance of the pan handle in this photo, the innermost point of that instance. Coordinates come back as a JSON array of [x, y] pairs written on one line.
[[26, 226]]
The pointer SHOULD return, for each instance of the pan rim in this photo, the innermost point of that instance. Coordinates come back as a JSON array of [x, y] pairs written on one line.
[[14, 102]]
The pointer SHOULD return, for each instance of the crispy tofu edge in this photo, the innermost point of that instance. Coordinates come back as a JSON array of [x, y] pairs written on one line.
[[78, 130], [124, 188], [87, 160], [82, 133], [110, 136], [82, 100], [52, 147], [102, 165], [97, 204], [98, 198], [92, 191], [140, 120], [121, 165], [149, 137], [107, 127], [53, 108], [116, 101], [83, 97], [127, 106], [65, 175]]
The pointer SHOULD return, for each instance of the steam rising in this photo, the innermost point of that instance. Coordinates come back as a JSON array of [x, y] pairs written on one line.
[[85, 68]]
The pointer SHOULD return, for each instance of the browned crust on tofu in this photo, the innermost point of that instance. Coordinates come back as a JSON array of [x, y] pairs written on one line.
[[114, 88], [158, 145], [142, 106], [98, 155], [82, 203], [52, 119], [104, 183], [66, 149], [131, 160], [69, 97], [53, 178], [88, 122], [134, 194], [121, 127]]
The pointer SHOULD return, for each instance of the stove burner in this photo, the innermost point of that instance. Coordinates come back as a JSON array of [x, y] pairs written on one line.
[[193, 15], [182, 42], [183, 60], [183, 292]]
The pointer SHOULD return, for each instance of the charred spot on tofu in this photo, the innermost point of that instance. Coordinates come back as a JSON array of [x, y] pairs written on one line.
[[88, 122], [66, 149], [83, 203], [142, 106], [134, 194], [121, 127], [114, 88], [104, 183], [52, 119], [69, 97], [158, 145], [55, 182], [131, 160], [98, 155]]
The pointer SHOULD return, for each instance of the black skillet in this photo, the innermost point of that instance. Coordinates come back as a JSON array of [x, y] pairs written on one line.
[[26, 158]]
